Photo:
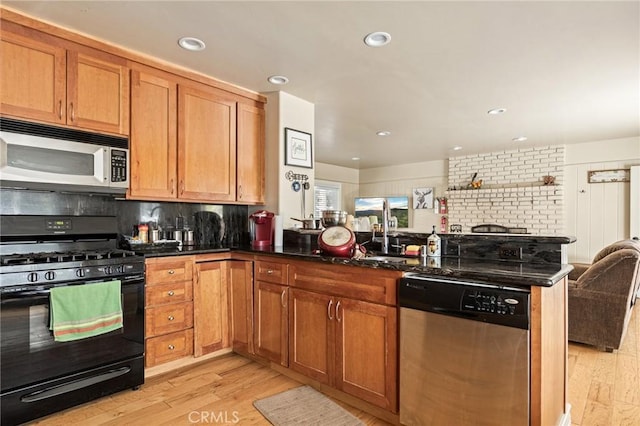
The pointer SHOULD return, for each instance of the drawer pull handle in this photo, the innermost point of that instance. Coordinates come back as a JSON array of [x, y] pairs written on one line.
[[170, 317], [171, 272], [60, 110], [170, 293], [282, 298], [171, 347], [329, 309], [338, 311], [269, 271]]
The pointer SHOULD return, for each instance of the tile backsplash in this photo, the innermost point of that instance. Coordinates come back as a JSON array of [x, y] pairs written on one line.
[[128, 212]]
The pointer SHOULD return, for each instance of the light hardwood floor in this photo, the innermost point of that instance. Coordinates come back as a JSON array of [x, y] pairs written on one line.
[[604, 390]]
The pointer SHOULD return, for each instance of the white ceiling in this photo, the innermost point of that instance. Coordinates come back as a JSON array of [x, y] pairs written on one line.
[[567, 72]]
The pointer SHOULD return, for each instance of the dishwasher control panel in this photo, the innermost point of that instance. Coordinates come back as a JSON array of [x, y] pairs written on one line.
[[495, 302], [475, 301]]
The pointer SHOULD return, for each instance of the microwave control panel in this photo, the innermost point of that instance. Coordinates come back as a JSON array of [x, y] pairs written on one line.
[[118, 165]]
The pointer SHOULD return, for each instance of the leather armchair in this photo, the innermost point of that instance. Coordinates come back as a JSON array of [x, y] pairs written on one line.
[[601, 295]]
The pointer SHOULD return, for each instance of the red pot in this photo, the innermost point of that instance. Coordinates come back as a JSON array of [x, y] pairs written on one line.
[[337, 241]]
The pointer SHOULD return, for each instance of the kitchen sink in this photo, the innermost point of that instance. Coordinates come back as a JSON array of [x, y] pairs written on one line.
[[383, 259]]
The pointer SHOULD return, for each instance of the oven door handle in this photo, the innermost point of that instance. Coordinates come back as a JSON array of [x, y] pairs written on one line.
[[75, 385]]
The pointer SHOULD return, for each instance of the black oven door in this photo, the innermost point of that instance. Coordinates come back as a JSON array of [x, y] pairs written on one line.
[[39, 375]]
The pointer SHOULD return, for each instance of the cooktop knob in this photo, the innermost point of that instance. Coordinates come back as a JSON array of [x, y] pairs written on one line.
[[80, 273], [49, 275], [32, 277]]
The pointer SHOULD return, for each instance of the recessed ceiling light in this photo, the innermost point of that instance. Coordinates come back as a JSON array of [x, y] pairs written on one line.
[[519, 139], [496, 111], [457, 148], [383, 133], [278, 79], [191, 43], [377, 39], [355, 158]]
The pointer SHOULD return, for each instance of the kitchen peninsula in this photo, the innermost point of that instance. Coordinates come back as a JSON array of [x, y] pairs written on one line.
[[334, 322]]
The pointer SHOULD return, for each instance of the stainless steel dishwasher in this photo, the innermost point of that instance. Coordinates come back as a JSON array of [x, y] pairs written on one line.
[[464, 353]]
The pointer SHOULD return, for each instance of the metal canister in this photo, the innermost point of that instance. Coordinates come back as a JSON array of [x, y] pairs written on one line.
[[154, 235], [187, 237]]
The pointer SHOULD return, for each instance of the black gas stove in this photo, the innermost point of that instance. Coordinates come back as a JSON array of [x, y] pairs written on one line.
[[40, 375]]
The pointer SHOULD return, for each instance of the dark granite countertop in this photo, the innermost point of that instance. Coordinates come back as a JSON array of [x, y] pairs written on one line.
[[476, 270], [174, 251]]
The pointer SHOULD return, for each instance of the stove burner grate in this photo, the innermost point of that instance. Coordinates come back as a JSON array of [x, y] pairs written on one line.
[[59, 257]]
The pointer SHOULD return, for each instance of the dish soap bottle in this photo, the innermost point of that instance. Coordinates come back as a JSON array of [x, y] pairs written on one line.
[[433, 244]]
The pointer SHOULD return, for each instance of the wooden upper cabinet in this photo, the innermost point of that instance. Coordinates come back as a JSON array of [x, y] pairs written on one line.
[[33, 76], [206, 145], [97, 92], [45, 78], [154, 135], [251, 122]]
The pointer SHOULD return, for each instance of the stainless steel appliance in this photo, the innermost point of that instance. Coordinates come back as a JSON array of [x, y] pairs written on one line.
[[38, 156], [40, 376], [464, 353]]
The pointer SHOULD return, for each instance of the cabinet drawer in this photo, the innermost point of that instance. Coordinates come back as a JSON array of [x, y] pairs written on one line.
[[168, 347], [169, 270], [271, 272], [356, 282], [161, 294], [168, 318]]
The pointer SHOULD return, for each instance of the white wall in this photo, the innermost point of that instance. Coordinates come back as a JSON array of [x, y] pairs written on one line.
[[597, 214], [285, 110]]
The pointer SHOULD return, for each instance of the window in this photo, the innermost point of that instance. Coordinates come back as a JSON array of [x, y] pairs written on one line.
[[328, 196]]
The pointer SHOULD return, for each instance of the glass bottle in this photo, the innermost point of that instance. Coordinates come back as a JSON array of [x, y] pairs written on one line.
[[433, 244]]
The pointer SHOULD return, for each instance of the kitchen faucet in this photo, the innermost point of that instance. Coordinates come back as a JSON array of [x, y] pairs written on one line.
[[385, 225]]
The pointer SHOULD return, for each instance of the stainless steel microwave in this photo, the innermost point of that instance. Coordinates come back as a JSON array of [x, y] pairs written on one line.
[[36, 156]]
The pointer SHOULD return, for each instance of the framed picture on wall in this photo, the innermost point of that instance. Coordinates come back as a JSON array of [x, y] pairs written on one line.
[[422, 198], [297, 148]]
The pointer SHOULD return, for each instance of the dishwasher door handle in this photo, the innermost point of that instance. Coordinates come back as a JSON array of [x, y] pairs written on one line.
[[454, 312]]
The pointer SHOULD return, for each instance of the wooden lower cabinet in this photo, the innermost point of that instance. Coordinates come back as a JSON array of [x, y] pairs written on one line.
[[168, 347], [366, 345], [211, 324], [241, 305], [168, 309], [312, 334], [270, 321], [348, 344]]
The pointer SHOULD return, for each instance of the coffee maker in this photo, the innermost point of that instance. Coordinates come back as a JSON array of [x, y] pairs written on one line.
[[261, 229]]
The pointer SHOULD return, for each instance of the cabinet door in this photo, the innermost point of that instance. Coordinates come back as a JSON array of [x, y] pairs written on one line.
[[270, 322], [211, 317], [241, 302], [366, 351], [33, 78], [206, 146], [250, 188], [97, 92], [154, 136], [311, 335]]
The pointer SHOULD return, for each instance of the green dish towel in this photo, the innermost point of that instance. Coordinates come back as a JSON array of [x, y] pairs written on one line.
[[81, 311]]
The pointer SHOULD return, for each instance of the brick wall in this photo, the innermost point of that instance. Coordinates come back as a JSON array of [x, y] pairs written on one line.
[[512, 192]]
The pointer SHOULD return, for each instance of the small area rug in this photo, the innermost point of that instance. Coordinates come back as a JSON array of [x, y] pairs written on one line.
[[304, 406]]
